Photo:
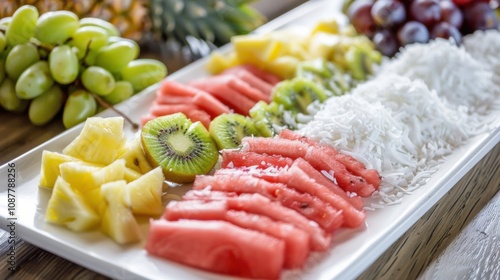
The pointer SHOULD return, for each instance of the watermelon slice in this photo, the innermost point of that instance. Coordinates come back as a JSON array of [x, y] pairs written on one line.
[[210, 104], [309, 206], [302, 182], [296, 240], [233, 82], [173, 88], [354, 166], [266, 76], [236, 158], [251, 79], [217, 246], [259, 204], [173, 100], [191, 111], [227, 95]]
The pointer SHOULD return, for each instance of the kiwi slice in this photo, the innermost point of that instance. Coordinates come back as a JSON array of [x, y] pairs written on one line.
[[297, 94], [227, 130], [182, 148], [325, 73], [360, 61], [270, 118]]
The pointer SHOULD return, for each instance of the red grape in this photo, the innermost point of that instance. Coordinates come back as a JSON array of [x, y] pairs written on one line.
[[386, 42], [462, 2], [360, 16], [427, 12], [388, 13], [446, 31], [413, 32], [480, 16], [451, 13]]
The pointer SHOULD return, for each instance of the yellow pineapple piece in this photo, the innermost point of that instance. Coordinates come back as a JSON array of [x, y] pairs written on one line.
[[118, 222], [68, 208], [252, 48], [131, 175], [218, 62], [330, 26], [284, 66], [144, 194], [50, 167], [134, 156], [99, 141], [85, 177]]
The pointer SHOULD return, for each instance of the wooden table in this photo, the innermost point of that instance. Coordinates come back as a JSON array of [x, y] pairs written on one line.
[[438, 235]]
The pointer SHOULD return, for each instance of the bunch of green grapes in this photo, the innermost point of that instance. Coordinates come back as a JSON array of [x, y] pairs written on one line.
[[56, 61]]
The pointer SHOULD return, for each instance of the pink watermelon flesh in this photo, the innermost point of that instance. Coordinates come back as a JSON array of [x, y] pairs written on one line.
[[252, 80], [320, 161], [210, 104], [244, 88], [266, 76], [217, 246], [259, 204], [314, 174], [236, 158], [164, 99], [227, 95], [354, 166], [296, 240], [302, 182], [173, 88], [309, 206]]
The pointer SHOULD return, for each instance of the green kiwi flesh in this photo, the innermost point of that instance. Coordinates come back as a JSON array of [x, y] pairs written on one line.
[[325, 73], [227, 130], [296, 94], [268, 118], [182, 148]]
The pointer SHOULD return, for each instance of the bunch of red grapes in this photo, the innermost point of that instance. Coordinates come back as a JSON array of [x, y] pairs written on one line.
[[395, 23]]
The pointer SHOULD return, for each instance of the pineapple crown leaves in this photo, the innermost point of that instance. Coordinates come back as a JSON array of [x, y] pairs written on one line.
[[214, 21]]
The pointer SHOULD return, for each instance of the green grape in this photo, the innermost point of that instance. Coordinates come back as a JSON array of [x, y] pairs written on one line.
[[116, 56], [78, 107], [5, 21], [22, 25], [144, 72], [20, 58], [2, 70], [34, 80], [109, 27], [90, 58], [63, 64], [56, 27], [98, 80], [8, 97], [122, 91], [45, 107], [3, 42], [89, 37]]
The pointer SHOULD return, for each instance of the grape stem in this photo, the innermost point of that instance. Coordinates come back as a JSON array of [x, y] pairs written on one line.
[[109, 106]]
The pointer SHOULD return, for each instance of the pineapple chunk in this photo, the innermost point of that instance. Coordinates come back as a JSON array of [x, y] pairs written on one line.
[[131, 175], [144, 194], [134, 156], [285, 66], [327, 26], [218, 62], [86, 177], [118, 222], [99, 141], [66, 207], [50, 167]]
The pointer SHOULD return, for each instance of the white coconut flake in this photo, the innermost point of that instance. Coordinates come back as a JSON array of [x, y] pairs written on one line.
[[484, 46], [449, 70]]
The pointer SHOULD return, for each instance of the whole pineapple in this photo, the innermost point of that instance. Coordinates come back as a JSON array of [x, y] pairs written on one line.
[[214, 21]]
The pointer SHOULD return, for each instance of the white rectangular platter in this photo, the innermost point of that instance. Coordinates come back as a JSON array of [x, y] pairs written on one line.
[[352, 250]]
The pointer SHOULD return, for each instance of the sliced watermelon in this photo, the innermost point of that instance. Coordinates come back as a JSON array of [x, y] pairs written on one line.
[[251, 79], [354, 166], [296, 240], [258, 204], [236, 158], [173, 88], [311, 207], [227, 95], [266, 76], [168, 109], [210, 104], [217, 246], [274, 146], [302, 182], [314, 174], [173, 100]]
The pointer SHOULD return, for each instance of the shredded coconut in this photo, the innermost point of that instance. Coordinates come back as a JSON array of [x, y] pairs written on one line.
[[484, 46], [450, 70]]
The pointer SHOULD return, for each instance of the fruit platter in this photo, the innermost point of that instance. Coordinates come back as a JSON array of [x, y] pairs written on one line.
[[314, 170]]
